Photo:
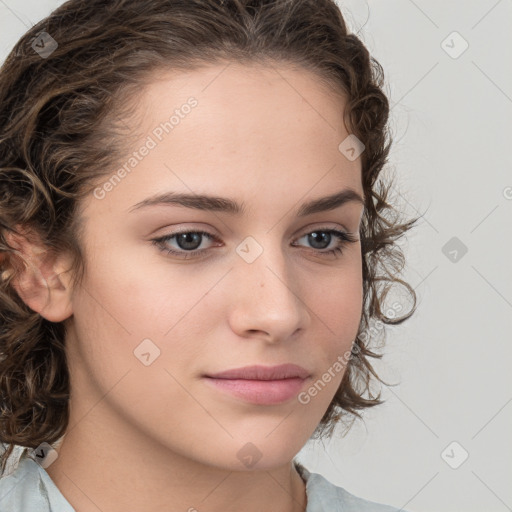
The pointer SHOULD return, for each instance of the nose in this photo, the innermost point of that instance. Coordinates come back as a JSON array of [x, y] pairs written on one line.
[[267, 298]]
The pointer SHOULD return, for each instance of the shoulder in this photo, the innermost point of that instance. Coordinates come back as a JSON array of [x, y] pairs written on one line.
[[324, 496], [27, 487]]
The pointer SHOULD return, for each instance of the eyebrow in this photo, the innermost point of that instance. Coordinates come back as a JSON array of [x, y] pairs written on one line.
[[226, 205]]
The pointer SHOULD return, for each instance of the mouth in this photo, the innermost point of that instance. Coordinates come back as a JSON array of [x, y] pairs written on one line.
[[261, 385]]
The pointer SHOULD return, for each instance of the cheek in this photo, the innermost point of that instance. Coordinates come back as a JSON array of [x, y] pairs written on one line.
[[116, 309], [150, 308], [133, 341], [338, 302], [337, 308]]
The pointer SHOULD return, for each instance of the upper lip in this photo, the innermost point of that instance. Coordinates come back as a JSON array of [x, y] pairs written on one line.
[[259, 372]]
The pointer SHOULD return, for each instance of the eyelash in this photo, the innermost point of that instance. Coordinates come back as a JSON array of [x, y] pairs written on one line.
[[343, 237]]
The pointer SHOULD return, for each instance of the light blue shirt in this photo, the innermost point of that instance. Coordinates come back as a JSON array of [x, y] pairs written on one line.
[[29, 488]]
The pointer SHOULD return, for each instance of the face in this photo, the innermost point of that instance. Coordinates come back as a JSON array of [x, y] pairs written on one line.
[[256, 286]]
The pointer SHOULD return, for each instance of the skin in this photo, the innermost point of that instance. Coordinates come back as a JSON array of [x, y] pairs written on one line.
[[157, 437]]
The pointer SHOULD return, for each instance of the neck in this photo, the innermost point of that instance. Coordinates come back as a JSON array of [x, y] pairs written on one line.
[[106, 475]]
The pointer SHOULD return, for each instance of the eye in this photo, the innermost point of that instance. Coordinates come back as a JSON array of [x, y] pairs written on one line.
[[324, 236], [188, 242]]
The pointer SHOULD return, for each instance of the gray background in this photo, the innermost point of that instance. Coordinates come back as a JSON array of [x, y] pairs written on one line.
[[451, 123]]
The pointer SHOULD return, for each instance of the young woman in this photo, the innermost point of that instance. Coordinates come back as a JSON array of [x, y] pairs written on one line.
[[194, 246]]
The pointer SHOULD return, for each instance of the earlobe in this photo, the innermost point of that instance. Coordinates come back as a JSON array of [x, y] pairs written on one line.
[[38, 281]]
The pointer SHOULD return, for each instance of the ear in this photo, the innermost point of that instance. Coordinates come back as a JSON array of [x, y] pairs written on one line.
[[43, 281]]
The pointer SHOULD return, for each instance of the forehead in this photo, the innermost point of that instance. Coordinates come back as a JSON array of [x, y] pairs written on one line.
[[255, 116], [252, 129], [248, 94]]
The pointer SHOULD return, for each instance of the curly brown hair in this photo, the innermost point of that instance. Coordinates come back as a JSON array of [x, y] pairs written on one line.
[[61, 131]]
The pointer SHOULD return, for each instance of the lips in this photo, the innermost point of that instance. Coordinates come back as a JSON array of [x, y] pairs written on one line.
[[259, 372], [260, 385]]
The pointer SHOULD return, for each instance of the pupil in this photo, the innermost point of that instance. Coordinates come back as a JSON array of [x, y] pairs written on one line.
[[184, 240], [314, 237]]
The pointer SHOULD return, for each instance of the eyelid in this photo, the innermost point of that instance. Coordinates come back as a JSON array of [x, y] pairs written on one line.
[[317, 226], [344, 237]]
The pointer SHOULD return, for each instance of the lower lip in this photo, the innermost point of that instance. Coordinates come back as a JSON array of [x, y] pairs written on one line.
[[261, 392]]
